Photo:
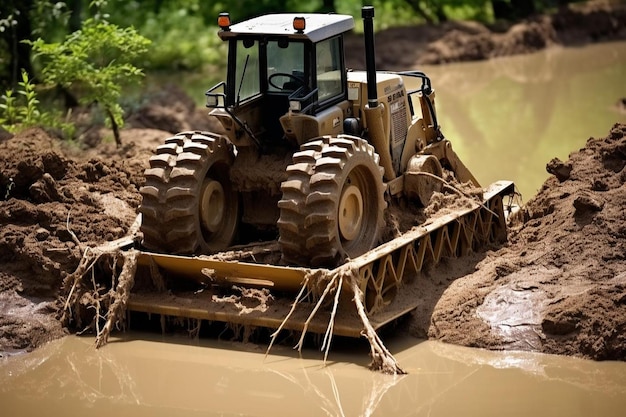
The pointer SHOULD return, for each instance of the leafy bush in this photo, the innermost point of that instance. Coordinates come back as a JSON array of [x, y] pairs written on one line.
[[94, 63], [21, 111], [181, 40]]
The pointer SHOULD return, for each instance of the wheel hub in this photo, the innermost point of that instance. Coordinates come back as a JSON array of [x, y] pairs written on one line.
[[350, 212], [212, 204]]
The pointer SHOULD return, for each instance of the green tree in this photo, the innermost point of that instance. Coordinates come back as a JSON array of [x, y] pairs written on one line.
[[94, 62], [23, 20], [430, 10]]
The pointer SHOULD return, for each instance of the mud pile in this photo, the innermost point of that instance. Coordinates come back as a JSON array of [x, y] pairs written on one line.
[[410, 47], [559, 286], [51, 205]]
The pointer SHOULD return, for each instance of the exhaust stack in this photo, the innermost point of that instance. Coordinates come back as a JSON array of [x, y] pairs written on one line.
[[376, 116], [367, 13]]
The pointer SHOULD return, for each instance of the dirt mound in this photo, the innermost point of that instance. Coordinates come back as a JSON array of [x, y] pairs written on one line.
[[50, 203], [409, 47], [559, 286], [57, 198], [170, 109]]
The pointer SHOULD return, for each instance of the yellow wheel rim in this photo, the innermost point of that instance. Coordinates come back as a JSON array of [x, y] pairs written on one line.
[[350, 212], [212, 205]]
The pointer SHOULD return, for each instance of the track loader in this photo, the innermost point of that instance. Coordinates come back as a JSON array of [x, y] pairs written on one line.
[[299, 189]]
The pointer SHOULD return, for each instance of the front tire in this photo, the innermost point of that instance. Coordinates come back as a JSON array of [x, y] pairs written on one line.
[[189, 205], [333, 202]]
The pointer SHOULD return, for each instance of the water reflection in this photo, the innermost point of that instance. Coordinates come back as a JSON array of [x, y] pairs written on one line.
[[148, 377]]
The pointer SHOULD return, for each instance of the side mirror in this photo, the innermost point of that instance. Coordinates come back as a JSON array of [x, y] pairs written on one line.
[[215, 100]]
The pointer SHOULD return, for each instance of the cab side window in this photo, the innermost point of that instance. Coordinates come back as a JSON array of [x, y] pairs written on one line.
[[247, 81], [328, 63]]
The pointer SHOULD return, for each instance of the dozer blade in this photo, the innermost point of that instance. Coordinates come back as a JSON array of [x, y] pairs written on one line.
[[385, 274]]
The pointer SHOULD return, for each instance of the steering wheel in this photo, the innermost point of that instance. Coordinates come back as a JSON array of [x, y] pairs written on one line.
[[297, 80]]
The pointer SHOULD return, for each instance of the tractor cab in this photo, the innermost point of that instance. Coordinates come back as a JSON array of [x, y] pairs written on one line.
[[286, 79]]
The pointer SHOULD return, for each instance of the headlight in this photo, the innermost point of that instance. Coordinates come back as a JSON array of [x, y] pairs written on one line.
[[295, 105]]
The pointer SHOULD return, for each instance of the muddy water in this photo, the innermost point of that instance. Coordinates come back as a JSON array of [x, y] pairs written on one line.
[[175, 376], [509, 116]]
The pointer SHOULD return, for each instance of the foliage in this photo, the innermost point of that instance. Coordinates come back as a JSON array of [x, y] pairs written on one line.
[[94, 63], [49, 18], [181, 41], [184, 32], [7, 22], [21, 111]]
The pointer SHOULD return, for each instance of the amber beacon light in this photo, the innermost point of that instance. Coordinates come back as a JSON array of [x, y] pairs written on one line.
[[223, 21], [299, 24]]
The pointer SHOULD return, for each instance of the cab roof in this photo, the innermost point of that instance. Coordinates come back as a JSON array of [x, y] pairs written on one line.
[[318, 26]]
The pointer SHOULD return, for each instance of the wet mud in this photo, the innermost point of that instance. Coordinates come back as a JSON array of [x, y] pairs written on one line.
[[559, 285]]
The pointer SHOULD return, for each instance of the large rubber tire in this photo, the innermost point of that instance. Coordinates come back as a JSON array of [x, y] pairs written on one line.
[[189, 205], [333, 202]]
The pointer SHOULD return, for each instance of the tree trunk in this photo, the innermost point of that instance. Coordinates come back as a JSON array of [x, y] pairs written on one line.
[[523, 8], [20, 52], [415, 5], [115, 128], [441, 15], [75, 21], [513, 10], [328, 6]]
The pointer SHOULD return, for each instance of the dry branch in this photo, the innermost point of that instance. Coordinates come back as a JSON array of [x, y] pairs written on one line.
[[382, 359], [301, 296]]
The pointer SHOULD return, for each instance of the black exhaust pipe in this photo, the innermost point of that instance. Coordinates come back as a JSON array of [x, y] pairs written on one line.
[[367, 13]]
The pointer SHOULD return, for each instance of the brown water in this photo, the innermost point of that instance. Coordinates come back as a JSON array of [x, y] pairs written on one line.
[[176, 376], [508, 117]]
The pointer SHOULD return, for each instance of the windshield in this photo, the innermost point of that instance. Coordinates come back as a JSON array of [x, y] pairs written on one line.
[[285, 58], [285, 67]]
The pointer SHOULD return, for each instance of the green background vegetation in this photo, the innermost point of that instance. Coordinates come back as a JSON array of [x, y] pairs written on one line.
[[37, 38]]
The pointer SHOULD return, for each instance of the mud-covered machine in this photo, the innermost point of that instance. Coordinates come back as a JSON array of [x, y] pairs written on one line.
[[313, 163]]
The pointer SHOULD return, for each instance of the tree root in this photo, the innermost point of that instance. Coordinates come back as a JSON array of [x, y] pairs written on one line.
[[82, 294], [382, 359], [119, 294]]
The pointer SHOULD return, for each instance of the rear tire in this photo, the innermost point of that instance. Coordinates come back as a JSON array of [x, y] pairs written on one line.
[[189, 205], [333, 202]]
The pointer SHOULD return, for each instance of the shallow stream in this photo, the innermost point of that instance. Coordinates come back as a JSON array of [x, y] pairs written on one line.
[[507, 117]]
